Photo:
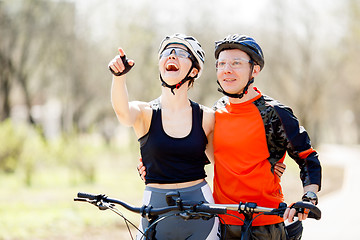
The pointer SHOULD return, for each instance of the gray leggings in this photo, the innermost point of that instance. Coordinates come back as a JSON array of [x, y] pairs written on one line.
[[175, 227]]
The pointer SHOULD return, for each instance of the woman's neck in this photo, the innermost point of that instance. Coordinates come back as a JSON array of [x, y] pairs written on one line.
[[176, 101]]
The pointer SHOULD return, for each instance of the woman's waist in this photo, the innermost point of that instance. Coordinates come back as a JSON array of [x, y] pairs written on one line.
[[167, 175], [175, 185]]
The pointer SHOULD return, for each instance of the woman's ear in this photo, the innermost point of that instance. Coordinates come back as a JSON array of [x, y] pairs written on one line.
[[194, 72]]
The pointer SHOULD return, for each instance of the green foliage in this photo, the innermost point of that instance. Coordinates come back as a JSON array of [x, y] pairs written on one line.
[[57, 170], [34, 151], [24, 150], [22, 147], [12, 141], [47, 210], [79, 154]]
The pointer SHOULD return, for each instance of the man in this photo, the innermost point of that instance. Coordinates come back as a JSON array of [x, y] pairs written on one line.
[[252, 133]]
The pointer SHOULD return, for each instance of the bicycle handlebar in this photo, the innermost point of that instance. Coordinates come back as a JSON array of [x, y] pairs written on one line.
[[145, 211], [253, 208], [197, 207]]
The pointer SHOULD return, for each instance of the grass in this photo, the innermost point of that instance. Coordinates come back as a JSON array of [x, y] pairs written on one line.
[[46, 209]]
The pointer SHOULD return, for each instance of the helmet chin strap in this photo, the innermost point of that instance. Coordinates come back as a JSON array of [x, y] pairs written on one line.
[[236, 95], [245, 90], [179, 84]]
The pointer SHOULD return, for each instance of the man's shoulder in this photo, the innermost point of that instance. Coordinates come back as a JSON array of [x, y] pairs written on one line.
[[269, 102], [221, 103], [274, 112]]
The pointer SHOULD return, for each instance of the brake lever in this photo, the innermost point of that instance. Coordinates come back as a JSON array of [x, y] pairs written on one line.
[[93, 201], [314, 211], [195, 215], [97, 202], [102, 206], [80, 200]]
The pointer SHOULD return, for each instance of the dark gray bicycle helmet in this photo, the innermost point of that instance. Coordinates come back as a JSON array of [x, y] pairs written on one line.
[[244, 43], [195, 49]]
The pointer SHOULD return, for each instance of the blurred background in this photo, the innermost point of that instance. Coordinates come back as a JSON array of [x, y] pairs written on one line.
[[59, 134]]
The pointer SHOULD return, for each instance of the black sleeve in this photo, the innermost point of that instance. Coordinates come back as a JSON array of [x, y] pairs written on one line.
[[298, 145]]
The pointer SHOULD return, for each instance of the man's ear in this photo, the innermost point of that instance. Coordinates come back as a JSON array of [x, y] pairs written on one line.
[[256, 70]]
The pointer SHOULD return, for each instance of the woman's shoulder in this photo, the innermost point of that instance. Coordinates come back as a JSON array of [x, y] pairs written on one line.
[[208, 110], [208, 117], [205, 109], [140, 106], [142, 123]]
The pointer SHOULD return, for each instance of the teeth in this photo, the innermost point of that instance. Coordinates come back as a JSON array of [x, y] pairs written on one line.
[[171, 67]]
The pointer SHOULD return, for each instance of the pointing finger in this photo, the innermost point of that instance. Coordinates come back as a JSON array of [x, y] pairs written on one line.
[[121, 52]]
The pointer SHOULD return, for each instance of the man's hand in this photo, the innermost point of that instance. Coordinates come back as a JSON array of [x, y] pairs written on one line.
[[289, 214], [279, 169], [142, 170], [309, 196]]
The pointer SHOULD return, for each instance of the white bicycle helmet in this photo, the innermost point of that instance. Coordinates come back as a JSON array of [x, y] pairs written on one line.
[[190, 42]]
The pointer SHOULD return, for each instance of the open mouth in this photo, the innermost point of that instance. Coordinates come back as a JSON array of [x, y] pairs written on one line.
[[172, 67]]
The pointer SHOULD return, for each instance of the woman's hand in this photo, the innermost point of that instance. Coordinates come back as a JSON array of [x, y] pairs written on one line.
[[120, 65]]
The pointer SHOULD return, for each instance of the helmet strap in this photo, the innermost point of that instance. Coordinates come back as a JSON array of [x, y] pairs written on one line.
[[245, 90], [179, 84]]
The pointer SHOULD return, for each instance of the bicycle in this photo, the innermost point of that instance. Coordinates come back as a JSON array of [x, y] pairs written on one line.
[[192, 210]]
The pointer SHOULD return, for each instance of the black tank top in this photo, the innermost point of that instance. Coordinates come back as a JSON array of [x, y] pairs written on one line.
[[174, 160]]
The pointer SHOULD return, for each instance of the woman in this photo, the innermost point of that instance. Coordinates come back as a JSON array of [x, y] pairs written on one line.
[[173, 132]]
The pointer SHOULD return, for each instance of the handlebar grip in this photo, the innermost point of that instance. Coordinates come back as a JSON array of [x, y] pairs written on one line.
[[314, 211], [87, 195], [210, 209], [313, 215]]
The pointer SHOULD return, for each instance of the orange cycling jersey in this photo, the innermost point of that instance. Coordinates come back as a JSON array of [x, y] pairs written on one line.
[[249, 138]]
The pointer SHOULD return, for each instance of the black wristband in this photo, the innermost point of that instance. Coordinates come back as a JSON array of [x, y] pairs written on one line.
[[310, 196], [126, 65]]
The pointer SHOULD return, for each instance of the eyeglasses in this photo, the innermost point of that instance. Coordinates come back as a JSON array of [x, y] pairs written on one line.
[[234, 64], [181, 53]]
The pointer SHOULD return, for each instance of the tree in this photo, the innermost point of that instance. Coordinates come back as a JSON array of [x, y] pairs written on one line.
[[31, 30], [296, 63], [347, 63]]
